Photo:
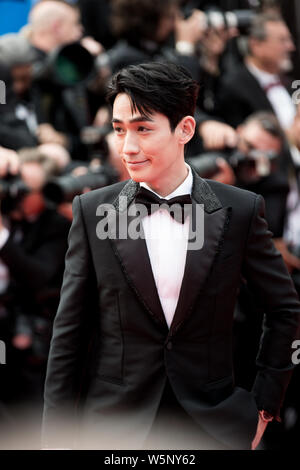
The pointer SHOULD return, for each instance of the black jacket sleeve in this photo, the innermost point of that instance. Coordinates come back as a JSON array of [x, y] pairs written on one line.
[[77, 303], [269, 279]]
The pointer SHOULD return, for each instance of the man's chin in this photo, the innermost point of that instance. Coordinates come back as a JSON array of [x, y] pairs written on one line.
[[137, 178], [286, 65]]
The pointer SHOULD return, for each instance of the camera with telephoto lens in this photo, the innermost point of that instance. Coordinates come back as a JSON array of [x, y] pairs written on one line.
[[253, 166], [66, 66], [65, 188], [248, 168], [12, 191], [218, 19], [239, 19]]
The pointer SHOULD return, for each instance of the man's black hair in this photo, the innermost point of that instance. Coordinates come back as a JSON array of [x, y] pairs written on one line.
[[164, 88]]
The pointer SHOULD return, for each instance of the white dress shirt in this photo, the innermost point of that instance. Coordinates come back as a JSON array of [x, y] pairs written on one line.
[[166, 241], [278, 96]]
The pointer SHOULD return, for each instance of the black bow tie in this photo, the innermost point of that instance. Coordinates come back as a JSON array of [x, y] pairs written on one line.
[[153, 203]]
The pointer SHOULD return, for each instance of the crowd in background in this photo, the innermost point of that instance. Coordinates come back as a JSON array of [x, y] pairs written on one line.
[[56, 141]]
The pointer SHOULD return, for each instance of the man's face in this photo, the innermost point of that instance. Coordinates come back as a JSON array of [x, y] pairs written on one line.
[[275, 50], [148, 148], [253, 137], [71, 29]]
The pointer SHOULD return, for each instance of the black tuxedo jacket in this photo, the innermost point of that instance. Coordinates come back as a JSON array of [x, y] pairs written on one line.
[[109, 293], [240, 95]]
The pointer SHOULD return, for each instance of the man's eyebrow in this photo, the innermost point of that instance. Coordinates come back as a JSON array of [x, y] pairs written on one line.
[[142, 118]]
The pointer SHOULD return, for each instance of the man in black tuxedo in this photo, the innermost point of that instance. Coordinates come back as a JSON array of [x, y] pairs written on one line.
[[141, 352], [260, 83]]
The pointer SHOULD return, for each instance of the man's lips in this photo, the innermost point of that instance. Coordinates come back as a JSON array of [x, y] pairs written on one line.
[[136, 164]]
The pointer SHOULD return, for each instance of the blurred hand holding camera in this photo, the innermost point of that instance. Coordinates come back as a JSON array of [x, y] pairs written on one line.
[[48, 135], [94, 47], [190, 30], [9, 162], [217, 135]]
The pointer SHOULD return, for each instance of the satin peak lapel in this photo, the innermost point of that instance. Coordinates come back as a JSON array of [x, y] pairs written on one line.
[[200, 261], [134, 258]]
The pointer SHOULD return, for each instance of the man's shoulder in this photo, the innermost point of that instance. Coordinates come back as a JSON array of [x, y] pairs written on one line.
[[232, 195], [237, 77], [238, 70], [107, 194]]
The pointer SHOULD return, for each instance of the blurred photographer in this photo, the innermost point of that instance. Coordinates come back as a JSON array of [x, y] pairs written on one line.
[[33, 241], [260, 164], [19, 117], [258, 83], [65, 64], [18, 120], [168, 31], [149, 30]]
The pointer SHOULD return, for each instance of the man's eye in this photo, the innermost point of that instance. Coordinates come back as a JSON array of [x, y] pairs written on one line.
[[118, 130], [143, 129]]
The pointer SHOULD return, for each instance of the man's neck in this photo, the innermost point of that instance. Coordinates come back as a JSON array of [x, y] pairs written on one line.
[[263, 67], [167, 186]]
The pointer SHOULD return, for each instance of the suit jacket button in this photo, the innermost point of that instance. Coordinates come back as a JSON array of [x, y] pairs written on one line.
[[169, 345]]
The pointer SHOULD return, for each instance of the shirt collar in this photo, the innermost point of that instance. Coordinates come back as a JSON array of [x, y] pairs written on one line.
[[184, 188], [263, 78]]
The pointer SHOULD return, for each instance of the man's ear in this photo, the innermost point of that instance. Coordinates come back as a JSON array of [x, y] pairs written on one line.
[[186, 129], [254, 46]]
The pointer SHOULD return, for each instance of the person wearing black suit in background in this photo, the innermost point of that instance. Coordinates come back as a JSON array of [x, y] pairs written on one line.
[[260, 83], [141, 353], [33, 242]]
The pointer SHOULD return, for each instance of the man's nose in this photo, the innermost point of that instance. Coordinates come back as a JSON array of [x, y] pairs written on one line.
[[290, 45], [130, 144]]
